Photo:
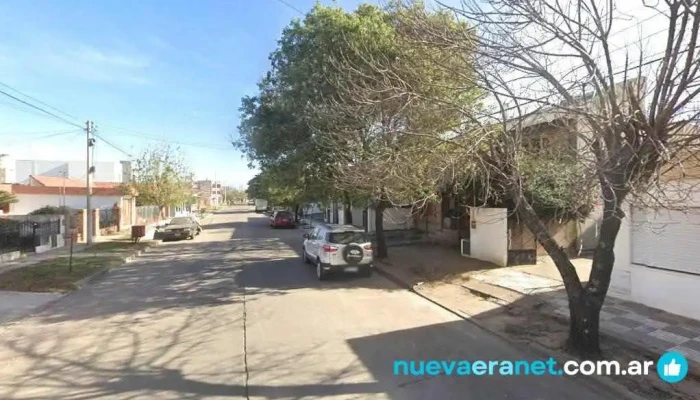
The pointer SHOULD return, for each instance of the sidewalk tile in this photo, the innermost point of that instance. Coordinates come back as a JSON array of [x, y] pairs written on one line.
[[645, 329], [679, 330], [688, 352], [648, 341], [654, 323], [616, 327], [630, 323], [668, 336], [615, 310], [693, 344]]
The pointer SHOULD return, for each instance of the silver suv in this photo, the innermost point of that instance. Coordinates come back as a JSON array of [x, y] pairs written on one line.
[[338, 248]]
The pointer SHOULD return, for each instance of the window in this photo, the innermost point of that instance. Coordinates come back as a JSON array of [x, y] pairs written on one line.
[[348, 237], [180, 221]]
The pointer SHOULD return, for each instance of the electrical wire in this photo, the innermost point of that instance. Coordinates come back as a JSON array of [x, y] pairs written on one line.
[[40, 109], [621, 71], [290, 6], [39, 101], [129, 132], [35, 132], [111, 145], [52, 135]]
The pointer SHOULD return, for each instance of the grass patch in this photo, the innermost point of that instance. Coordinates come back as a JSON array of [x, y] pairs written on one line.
[[117, 246], [53, 275]]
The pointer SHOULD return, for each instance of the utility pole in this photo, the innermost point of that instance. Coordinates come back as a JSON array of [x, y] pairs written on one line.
[[90, 143]]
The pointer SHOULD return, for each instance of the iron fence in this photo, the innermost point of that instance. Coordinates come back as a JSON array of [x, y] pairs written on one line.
[[25, 236], [109, 217], [147, 214]]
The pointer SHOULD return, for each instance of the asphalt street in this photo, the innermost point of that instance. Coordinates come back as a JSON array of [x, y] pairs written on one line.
[[235, 314]]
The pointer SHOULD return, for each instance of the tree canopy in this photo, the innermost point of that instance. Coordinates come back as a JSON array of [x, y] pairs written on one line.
[[161, 177]]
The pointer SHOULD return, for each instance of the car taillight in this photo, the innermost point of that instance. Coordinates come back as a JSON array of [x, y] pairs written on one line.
[[368, 247], [329, 249]]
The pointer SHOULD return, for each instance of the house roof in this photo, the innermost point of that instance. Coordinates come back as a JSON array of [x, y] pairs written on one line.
[[57, 181], [68, 190]]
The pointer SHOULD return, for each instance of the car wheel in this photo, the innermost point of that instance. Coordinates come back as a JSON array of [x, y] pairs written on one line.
[[320, 273]]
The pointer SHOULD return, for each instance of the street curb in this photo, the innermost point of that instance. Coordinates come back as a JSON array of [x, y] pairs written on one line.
[[79, 285], [604, 381]]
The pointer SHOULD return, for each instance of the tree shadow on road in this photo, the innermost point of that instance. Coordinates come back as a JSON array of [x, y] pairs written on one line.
[[126, 364]]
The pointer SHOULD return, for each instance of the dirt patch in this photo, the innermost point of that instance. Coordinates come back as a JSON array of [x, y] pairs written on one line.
[[529, 325]]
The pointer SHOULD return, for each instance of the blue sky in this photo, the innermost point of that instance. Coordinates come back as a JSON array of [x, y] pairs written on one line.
[[143, 70]]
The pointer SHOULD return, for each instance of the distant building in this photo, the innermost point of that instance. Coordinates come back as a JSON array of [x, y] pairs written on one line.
[[19, 171], [210, 193]]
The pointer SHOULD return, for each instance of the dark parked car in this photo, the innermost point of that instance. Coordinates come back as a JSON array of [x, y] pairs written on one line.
[[181, 228], [282, 219]]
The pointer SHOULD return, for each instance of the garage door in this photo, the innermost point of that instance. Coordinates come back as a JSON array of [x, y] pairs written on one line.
[[666, 239]]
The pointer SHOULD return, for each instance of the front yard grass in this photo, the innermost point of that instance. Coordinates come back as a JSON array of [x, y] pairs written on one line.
[[53, 275], [120, 246]]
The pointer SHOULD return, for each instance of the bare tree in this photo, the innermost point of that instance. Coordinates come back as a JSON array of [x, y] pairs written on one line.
[[627, 112]]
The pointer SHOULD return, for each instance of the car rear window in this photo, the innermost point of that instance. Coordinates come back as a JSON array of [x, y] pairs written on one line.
[[348, 237], [284, 214]]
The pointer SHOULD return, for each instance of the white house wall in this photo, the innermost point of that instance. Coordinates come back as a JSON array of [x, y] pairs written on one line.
[[105, 171], [30, 202], [642, 249], [489, 235], [394, 219]]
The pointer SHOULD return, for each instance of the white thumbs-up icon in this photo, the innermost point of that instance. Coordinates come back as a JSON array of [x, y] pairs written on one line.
[[672, 368]]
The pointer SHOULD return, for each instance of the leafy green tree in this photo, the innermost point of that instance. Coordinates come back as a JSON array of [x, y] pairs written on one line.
[[162, 177], [392, 146]]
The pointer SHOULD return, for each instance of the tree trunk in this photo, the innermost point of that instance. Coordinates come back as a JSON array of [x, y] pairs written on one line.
[[381, 251], [584, 310], [296, 212], [584, 326], [347, 209]]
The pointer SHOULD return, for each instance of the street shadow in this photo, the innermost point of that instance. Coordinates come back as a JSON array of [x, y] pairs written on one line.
[[455, 341], [126, 363], [188, 275]]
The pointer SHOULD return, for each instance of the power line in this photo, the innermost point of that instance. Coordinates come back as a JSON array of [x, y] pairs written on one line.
[[55, 134], [36, 132], [40, 109], [38, 101], [110, 144], [290, 6], [621, 71], [129, 132]]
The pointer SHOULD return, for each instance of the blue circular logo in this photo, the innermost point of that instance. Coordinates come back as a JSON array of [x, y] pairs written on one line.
[[672, 367]]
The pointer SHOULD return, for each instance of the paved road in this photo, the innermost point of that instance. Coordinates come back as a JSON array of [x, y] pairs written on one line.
[[234, 314]]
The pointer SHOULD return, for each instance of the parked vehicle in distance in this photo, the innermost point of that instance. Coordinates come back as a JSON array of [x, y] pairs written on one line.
[[181, 228], [251, 202], [333, 248], [282, 219], [260, 205]]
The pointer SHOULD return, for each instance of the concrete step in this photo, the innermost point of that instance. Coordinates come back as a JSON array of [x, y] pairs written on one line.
[[493, 293]]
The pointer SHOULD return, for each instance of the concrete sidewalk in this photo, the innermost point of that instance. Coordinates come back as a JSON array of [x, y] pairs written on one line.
[[540, 286], [15, 304]]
